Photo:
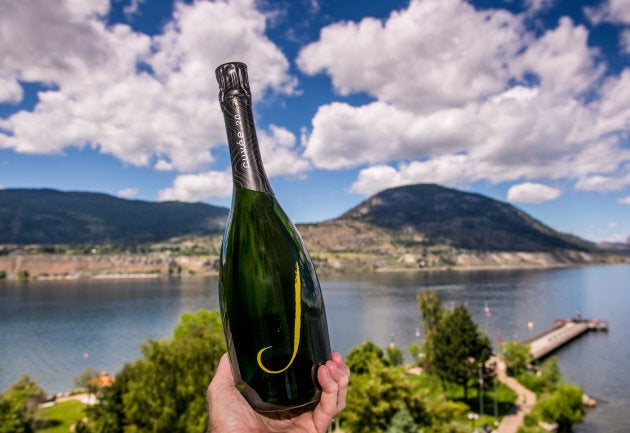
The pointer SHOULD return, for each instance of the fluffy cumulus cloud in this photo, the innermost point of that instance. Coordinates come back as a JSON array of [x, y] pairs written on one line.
[[487, 99], [195, 187], [530, 192], [280, 153], [149, 101], [449, 170]]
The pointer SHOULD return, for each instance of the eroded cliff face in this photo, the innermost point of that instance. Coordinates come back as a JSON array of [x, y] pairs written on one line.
[[41, 266]]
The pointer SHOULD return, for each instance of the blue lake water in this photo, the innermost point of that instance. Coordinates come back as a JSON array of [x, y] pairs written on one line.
[[54, 330]]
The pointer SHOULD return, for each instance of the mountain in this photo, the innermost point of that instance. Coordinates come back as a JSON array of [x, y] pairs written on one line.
[[46, 216], [410, 227], [432, 227], [460, 220], [415, 215]]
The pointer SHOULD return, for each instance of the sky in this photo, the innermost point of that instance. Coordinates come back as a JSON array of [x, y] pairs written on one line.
[[523, 101]]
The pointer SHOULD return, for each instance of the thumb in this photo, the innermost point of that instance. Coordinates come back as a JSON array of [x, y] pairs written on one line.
[[223, 377]]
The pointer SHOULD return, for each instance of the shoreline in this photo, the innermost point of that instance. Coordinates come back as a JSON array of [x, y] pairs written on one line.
[[59, 267]]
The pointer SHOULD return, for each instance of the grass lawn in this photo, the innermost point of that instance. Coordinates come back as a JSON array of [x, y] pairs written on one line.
[[59, 418], [505, 397]]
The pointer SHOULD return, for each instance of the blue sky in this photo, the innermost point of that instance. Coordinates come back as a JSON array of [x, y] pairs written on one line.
[[525, 101]]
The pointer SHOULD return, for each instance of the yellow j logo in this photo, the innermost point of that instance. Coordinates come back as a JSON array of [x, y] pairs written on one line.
[[296, 328]]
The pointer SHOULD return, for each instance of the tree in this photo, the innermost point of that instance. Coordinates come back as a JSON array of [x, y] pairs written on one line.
[[402, 422], [86, 380], [394, 356], [165, 390], [377, 392], [459, 349], [517, 357], [546, 379], [432, 313], [564, 406], [18, 405], [416, 353], [365, 358], [431, 309]]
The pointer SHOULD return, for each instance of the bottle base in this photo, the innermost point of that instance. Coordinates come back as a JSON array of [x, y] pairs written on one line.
[[277, 411]]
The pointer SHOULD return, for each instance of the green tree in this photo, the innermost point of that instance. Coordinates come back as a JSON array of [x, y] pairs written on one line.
[[431, 309], [18, 405], [564, 406], [460, 349], [86, 380], [432, 313], [546, 378], [517, 357], [550, 373], [394, 356], [365, 358], [416, 352], [165, 390], [402, 422], [377, 392]]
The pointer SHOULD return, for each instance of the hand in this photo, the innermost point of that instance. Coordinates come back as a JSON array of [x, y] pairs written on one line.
[[229, 412]]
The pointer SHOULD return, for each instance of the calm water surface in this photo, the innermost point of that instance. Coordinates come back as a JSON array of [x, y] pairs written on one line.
[[55, 330]]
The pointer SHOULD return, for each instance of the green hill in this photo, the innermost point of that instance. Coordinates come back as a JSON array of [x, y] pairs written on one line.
[[420, 215], [46, 216], [460, 220]]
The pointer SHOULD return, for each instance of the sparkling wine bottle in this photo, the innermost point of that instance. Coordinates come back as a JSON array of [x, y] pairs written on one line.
[[270, 299]]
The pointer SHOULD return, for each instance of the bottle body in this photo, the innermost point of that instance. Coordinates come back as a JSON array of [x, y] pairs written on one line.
[[271, 303]]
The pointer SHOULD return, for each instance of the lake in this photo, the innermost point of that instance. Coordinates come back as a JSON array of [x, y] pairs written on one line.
[[54, 330]]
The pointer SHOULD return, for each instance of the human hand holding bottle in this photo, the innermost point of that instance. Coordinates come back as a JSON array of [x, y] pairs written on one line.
[[229, 412]]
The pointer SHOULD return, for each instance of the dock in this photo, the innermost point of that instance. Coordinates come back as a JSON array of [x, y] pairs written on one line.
[[563, 331]]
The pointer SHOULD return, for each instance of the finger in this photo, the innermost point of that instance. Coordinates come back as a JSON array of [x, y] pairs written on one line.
[[326, 409], [341, 374]]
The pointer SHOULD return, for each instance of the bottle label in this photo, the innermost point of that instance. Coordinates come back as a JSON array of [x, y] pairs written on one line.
[[247, 168], [296, 328]]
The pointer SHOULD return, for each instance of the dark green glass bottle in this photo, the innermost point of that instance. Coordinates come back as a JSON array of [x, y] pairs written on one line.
[[270, 299]]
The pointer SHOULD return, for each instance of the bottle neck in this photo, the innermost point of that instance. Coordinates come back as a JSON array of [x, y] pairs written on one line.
[[247, 168]]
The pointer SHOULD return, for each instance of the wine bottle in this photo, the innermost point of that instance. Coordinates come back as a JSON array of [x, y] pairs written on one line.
[[270, 298]]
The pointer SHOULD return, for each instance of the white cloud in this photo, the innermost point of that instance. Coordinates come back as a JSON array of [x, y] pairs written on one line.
[[197, 187], [624, 200], [562, 60], [603, 183], [511, 103], [449, 170], [536, 6], [624, 41], [440, 68], [10, 90], [279, 153], [345, 136], [99, 97], [128, 193], [132, 8], [614, 11], [530, 192]]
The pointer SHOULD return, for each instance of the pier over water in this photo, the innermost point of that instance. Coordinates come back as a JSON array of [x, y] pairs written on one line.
[[563, 331]]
